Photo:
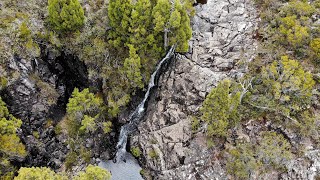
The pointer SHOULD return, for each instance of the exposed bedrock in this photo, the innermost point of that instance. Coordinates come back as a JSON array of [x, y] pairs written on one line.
[[222, 36], [38, 97]]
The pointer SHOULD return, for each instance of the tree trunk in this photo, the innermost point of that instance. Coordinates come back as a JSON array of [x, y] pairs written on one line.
[[165, 38]]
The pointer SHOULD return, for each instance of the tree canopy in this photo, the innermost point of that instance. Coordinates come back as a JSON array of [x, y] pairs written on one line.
[[65, 15], [85, 113], [43, 173], [10, 147], [220, 109]]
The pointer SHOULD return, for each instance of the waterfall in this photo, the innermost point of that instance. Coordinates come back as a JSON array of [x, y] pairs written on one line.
[[137, 114]]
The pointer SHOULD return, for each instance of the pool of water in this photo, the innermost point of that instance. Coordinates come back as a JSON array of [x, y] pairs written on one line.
[[129, 170]]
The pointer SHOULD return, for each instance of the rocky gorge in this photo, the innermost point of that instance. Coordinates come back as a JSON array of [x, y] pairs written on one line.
[[222, 38], [224, 41]]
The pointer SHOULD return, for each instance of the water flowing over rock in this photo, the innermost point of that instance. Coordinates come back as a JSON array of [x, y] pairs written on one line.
[[138, 113], [222, 37]]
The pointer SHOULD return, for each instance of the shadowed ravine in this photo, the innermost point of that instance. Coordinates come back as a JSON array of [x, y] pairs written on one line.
[[124, 166]]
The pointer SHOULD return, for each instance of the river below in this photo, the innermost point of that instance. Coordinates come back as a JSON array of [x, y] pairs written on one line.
[[129, 170]]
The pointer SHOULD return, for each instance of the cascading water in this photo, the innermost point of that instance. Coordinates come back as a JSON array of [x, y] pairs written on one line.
[[135, 117], [124, 166]]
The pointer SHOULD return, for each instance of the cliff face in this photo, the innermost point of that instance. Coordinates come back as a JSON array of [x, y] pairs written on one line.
[[222, 39], [38, 97]]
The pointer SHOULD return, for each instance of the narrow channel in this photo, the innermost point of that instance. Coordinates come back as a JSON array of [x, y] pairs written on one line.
[[124, 166]]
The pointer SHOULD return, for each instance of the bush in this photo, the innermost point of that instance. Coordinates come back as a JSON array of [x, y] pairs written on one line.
[[274, 150], [85, 113], [38, 173], [65, 15], [10, 146], [153, 154], [71, 159], [136, 152], [315, 48], [220, 110], [94, 172], [241, 162]]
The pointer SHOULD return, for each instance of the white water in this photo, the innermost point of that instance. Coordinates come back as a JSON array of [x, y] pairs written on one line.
[[135, 117]]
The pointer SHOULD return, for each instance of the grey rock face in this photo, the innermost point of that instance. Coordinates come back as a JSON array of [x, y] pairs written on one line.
[[33, 97], [222, 37]]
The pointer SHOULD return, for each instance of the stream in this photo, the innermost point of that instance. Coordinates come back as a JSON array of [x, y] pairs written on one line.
[[124, 166]]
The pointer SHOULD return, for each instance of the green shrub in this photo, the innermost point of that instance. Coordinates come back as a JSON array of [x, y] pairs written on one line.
[[142, 172], [94, 173], [38, 173], [71, 159], [3, 82], [274, 150], [25, 32], [220, 109], [65, 15], [241, 162], [58, 129], [10, 146], [85, 154], [195, 123], [85, 114], [136, 152], [36, 134], [315, 48], [153, 154]]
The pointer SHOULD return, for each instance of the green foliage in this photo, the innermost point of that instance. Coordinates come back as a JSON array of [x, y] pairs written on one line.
[[137, 30], [3, 82], [181, 30], [36, 134], [295, 34], [85, 154], [25, 32], [282, 92], [315, 48], [271, 153], [43, 173], [65, 15], [281, 89], [285, 86], [119, 20], [94, 172], [296, 26], [153, 154], [161, 14], [274, 150], [85, 113], [132, 67], [300, 8], [142, 172], [241, 162], [10, 145], [135, 151], [87, 124], [220, 110], [106, 127], [195, 123], [85, 116], [38, 173], [177, 23], [71, 159]]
